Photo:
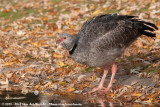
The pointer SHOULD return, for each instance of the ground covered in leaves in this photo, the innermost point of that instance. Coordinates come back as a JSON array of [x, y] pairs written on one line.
[[31, 60]]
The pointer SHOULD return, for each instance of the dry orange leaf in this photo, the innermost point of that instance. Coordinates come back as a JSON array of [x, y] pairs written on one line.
[[53, 26], [106, 8], [70, 89], [71, 26], [97, 12], [37, 86], [36, 29], [140, 44], [66, 22], [137, 94], [8, 29], [56, 55], [13, 77], [153, 1], [17, 80], [9, 63], [44, 18], [83, 85], [6, 52], [61, 64], [37, 44], [26, 41], [77, 9], [16, 61]]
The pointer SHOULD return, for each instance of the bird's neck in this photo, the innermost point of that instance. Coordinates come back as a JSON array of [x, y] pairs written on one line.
[[74, 47]]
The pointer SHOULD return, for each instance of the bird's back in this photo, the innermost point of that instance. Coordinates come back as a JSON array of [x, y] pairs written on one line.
[[105, 37]]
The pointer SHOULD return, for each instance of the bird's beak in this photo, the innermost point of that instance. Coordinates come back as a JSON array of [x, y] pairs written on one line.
[[58, 41]]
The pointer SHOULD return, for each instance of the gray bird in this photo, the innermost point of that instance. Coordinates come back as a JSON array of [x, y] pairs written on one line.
[[103, 39]]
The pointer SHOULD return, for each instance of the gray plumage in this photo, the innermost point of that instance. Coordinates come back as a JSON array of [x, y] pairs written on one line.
[[104, 38]]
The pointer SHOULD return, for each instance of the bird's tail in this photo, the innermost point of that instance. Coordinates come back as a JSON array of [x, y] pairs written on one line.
[[146, 28]]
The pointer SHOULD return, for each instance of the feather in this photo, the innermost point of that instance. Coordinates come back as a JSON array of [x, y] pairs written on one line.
[[149, 34]]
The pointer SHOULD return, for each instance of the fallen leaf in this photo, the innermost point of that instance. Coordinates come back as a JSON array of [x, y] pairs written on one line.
[[56, 55], [70, 90], [61, 64], [97, 12]]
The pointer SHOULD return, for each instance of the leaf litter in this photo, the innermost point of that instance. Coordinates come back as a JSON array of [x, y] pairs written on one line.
[[30, 57]]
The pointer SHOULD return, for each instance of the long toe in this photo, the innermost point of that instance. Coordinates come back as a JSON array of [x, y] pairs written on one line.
[[98, 89], [106, 90]]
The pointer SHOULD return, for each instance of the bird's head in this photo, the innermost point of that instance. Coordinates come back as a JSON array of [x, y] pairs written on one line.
[[66, 40]]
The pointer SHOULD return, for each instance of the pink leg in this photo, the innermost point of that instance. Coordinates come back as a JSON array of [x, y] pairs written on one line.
[[101, 82], [114, 70]]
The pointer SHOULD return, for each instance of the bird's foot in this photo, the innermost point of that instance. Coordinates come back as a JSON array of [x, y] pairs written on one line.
[[98, 90], [106, 90], [103, 92]]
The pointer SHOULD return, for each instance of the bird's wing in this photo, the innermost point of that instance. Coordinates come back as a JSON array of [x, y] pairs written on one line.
[[120, 37], [95, 28], [113, 30]]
